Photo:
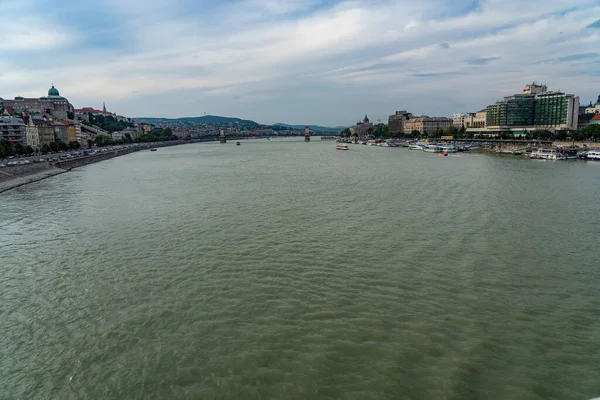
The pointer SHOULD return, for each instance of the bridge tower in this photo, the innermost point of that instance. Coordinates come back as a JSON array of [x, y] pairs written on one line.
[[306, 134], [222, 137]]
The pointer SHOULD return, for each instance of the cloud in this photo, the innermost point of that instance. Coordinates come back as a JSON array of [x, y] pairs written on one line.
[[595, 24], [297, 61], [480, 60], [573, 57], [436, 74]]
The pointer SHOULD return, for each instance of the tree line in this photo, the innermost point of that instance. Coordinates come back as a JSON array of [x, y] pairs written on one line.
[[591, 132]]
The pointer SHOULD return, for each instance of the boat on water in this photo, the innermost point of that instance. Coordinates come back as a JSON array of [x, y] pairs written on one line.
[[433, 148], [448, 148], [547, 154], [237, 143], [590, 155], [568, 151], [371, 143], [152, 149], [341, 146], [415, 147]]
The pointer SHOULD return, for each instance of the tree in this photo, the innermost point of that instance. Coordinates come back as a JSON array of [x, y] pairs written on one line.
[[381, 131], [345, 132], [62, 146], [90, 142], [591, 131], [452, 131], [28, 150], [5, 150], [53, 147], [19, 149], [45, 148], [74, 145], [103, 140], [415, 133]]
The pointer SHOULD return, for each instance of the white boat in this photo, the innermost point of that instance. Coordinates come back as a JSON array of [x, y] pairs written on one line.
[[371, 143], [341, 146], [591, 155], [547, 154], [432, 148], [448, 148], [415, 147]]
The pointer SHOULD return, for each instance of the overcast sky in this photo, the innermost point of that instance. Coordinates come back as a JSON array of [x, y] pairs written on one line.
[[322, 62]]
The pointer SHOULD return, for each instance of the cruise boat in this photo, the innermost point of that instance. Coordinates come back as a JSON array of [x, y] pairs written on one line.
[[591, 155], [415, 147], [570, 152], [547, 154], [341, 146]]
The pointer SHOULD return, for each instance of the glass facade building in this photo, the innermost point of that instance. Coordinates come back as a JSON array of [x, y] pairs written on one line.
[[554, 110]]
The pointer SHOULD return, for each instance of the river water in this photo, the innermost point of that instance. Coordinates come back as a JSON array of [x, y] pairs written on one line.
[[288, 270]]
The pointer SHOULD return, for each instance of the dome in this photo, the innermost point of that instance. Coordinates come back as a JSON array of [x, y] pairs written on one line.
[[53, 91], [366, 120]]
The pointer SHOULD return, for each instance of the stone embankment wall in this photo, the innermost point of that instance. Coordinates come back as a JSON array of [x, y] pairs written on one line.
[[80, 162], [13, 177]]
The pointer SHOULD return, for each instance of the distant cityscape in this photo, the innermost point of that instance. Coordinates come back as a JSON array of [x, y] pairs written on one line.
[[518, 115], [51, 122]]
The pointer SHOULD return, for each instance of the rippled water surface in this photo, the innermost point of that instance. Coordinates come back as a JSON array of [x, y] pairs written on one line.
[[289, 270]]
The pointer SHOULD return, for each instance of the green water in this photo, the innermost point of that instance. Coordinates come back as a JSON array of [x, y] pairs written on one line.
[[289, 270]]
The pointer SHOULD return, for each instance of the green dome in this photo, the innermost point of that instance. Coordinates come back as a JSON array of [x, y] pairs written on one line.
[[53, 91]]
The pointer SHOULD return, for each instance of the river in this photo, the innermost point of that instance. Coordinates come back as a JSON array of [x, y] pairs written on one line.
[[288, 270]]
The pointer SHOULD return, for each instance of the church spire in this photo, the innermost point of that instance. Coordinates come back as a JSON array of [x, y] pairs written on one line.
[[104, 106]]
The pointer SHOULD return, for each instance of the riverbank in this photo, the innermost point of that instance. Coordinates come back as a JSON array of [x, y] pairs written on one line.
[[20, 175]]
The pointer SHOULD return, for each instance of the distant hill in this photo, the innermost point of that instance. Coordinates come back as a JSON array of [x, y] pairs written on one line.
[[206, 119], [312, 127], [217, 120]]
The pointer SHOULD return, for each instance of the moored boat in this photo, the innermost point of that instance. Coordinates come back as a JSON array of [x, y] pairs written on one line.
[[590, 155], [547, 154], [415, 147], [432, 148]]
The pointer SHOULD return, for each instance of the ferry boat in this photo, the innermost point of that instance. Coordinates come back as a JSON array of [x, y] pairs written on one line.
[[547, 154], [341, 146], [591, 155], [570, 152]]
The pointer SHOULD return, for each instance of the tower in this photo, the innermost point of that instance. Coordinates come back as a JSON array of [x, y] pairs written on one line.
[[222, 137], [306, 133], [104, 106]]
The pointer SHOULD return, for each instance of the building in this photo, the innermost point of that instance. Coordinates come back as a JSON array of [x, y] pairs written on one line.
[[52, 106], [535, 108], [534, 89], [593, 109], [72, 131], [362, 129], [584, 120], [31, 131], [60, 132], [13, 130], [396, 122], [45, 130], [595, 119], [427, 125]]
